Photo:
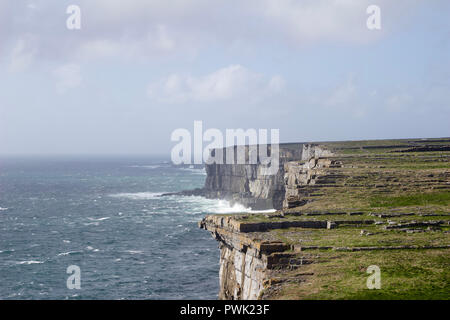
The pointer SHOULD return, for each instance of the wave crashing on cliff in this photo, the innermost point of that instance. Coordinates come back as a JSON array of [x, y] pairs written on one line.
[[212, 206]]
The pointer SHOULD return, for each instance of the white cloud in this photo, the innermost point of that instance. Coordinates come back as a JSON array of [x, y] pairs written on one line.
[[67, 77], [23, 53], [228, 83], [157, 41], [310, 21], [148, 28], [162, 39], [399, 102], [343, 95], [302, 21], [277, 83], [346, 97], [102, 48], [306, 21]]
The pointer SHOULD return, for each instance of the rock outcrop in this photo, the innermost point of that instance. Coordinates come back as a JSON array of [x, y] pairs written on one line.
[[301, 177]]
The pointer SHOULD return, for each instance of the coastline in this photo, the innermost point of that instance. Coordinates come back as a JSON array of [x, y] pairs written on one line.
[[350, 201]]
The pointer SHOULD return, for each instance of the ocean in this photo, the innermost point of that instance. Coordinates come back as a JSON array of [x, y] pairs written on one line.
[[106, 216]]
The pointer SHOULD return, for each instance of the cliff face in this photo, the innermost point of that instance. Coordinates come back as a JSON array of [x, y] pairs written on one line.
[[245, 259], [247, 184]]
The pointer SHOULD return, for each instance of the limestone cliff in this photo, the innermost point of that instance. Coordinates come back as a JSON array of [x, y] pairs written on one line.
[[344, 206], [250, 185], [247, 184], [245, 260]]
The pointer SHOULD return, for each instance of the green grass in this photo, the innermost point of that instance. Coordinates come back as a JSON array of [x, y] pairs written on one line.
[[420, 199], [405, 274], [350, 237]]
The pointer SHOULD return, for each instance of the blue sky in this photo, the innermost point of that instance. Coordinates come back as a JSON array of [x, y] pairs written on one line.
[[137, 70]]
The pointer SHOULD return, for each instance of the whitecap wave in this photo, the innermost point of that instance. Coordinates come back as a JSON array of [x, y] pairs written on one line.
[[149, 166], [68, 253], [137, 195], [96, 223], [3, 209], [214, 206], [29, 262], [7, 251], [224, 206], [195, 171], [99, 219], [134, 251]]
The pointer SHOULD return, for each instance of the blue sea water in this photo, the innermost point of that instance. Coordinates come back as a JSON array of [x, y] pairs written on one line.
[[105, 216]]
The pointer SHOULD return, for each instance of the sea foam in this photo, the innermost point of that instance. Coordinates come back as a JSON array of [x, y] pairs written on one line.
[[137, 195], [29, 262], [195, 171], [224, 206], [149, 166]]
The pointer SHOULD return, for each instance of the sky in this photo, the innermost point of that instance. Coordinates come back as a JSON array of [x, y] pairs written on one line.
[[138, 70]]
